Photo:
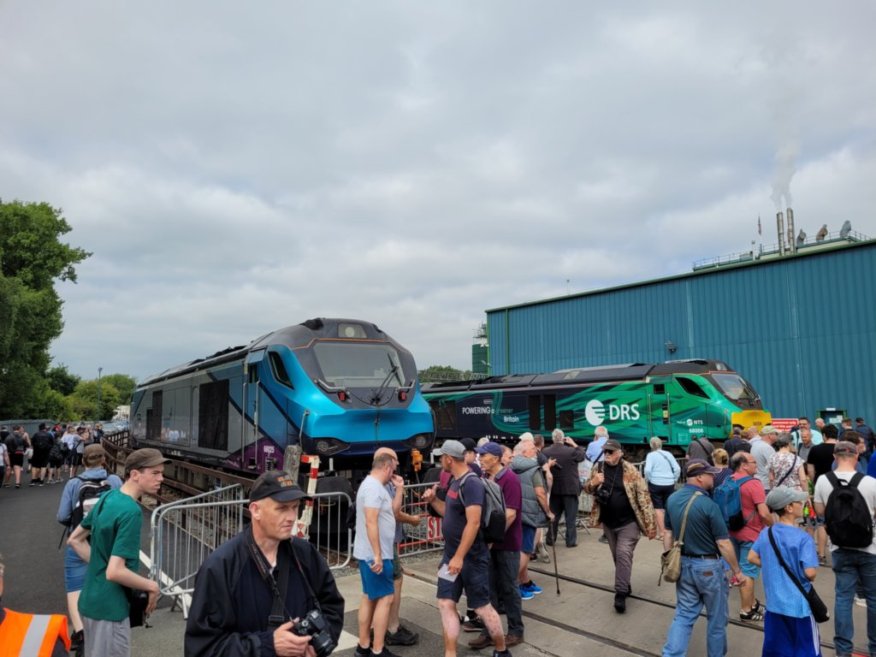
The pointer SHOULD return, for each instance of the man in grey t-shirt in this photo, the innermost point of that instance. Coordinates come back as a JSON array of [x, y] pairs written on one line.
[[373, 547], [762, 450]]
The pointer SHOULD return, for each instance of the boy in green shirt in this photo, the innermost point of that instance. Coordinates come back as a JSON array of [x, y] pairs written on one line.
[[109, 540]]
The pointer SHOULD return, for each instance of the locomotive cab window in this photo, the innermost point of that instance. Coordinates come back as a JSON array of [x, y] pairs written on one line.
[[691, 387], [278, 369], [360, 365]]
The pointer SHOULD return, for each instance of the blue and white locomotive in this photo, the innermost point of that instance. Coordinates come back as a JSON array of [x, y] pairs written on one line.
[[335, 388]]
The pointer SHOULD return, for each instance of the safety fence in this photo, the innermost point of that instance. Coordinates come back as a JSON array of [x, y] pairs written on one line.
[[425, 536], [185, 532]]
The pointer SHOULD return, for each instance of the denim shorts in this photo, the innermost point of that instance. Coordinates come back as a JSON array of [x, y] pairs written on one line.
[[474, 578], [74, 571], [528, 539], [742, 548], [374, 585]]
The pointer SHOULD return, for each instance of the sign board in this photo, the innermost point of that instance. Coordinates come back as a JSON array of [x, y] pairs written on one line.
[[784, 424]]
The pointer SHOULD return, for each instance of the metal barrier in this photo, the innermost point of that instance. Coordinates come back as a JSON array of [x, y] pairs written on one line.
[[329, 530], [185, 532], [427, 536]]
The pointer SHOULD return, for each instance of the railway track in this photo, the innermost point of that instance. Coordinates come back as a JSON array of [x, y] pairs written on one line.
[[752, 627]]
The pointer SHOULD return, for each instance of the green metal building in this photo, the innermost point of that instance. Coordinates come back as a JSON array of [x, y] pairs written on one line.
[[801, 326]]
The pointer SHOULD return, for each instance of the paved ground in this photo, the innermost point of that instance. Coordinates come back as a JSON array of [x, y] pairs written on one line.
[[583, 620]]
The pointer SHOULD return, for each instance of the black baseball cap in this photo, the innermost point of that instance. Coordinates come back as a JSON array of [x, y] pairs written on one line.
[[469, 444], [277, 485]]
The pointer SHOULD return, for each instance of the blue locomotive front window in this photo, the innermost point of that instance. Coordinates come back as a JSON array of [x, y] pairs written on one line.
[[735, 387], [359, 365]]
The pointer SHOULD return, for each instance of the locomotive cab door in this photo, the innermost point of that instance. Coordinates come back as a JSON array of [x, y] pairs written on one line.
[[659, 411], [252, 402]]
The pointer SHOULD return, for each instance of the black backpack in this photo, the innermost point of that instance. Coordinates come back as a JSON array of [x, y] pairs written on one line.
[[90, 491], [847, 518], [493, 511]]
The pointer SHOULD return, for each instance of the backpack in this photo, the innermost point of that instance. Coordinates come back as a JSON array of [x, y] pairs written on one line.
[[56, 454], [493, 511], [90, 491], [847, 518], [728, 497]]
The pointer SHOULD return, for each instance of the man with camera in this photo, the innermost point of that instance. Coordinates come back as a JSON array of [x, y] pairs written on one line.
[[263, 592], [622, 505]]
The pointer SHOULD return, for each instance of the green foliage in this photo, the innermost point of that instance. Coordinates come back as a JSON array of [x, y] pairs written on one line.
[[62, 380], [436, 373], [84, 400], [32, 257], [124, 384], [30, 248]]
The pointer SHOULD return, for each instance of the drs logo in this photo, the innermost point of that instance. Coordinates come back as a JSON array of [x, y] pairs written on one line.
[[595, 412]]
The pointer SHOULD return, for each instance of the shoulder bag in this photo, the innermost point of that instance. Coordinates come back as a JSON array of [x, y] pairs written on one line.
[[819, 610], [670, 561]]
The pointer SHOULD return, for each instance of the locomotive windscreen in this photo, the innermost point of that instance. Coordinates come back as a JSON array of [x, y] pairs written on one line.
[[735, 388], [360, 365]]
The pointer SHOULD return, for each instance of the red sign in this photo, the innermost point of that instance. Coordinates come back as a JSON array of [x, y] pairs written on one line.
[[784, 424]]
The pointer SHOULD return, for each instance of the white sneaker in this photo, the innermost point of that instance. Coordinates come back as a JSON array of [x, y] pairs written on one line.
[[860, 602]]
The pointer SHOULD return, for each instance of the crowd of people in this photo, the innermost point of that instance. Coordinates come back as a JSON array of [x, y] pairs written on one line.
[[765, 505], [50, 455], [744, 511]]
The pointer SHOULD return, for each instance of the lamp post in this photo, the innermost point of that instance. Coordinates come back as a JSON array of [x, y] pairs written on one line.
[[99, 370]]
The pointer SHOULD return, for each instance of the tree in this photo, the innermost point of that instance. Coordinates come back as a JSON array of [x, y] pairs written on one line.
[[124, 384], [84, 400], [435, 373], [62, 380], [32, 257]]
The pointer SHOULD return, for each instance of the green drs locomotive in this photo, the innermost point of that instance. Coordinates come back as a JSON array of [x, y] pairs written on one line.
[[678, 401]]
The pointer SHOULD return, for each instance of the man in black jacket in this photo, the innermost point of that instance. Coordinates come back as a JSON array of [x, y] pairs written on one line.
[[252, 588], [566, 487]]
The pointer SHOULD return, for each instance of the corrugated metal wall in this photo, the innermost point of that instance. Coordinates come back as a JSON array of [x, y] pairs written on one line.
[[801, 329]]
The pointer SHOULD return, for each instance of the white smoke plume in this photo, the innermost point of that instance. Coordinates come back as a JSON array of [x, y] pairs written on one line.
[[786, 166]]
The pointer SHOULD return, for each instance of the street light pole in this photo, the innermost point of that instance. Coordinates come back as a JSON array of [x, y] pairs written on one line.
[[99, 370]]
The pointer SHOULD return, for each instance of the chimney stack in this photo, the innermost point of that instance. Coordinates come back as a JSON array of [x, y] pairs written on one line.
[[792, 242], [780, 226]]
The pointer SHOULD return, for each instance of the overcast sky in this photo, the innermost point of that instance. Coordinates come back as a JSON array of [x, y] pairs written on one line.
[[238, 167]]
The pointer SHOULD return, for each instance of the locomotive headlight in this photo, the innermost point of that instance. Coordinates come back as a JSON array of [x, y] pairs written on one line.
[[421, 441]]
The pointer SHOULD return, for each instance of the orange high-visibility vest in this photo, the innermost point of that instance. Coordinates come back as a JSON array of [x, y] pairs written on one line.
[[31, 635]]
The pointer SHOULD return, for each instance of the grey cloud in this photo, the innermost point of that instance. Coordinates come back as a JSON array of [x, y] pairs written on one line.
[[237, 168]]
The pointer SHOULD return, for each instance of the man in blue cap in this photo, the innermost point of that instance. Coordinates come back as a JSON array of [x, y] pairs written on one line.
[[703, 581], [504, 556]]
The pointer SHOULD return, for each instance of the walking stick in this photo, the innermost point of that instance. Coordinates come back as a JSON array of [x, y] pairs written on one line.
[[556, 570]]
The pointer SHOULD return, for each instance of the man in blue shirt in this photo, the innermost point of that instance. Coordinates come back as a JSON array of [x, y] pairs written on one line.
[[703, 580], [466, 561]]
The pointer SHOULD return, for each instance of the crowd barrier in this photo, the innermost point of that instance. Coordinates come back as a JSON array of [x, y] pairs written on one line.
[[185, 532], [426, 536]]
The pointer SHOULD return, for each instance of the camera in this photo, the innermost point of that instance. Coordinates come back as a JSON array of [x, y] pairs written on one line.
[[316, 627], [602, 495]]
